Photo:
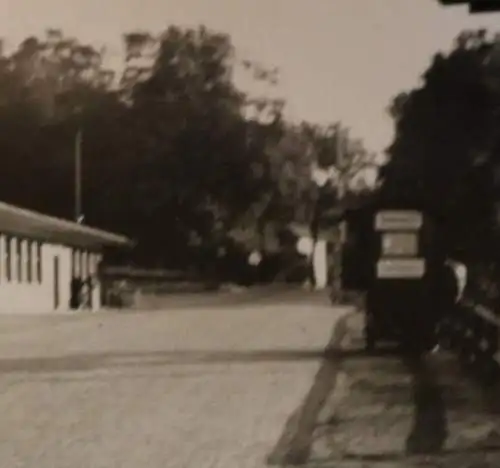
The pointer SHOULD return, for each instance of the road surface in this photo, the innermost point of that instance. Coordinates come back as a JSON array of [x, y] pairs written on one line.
[[241, 381], [184, 387]]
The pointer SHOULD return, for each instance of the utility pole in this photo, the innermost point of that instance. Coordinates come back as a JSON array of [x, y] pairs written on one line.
[[78, 175], [341, 228], [321, 178]]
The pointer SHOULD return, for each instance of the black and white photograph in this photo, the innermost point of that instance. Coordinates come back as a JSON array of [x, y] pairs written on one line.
[[250, 233]]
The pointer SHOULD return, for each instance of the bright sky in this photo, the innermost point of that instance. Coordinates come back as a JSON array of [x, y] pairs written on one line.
[[339, 59]]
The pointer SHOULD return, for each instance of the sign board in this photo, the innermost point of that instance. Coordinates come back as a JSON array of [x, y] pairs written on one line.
[[398, 220], [400, 268], [400, 244]]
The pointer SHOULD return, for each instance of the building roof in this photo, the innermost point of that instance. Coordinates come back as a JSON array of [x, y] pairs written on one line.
[[22, 222]]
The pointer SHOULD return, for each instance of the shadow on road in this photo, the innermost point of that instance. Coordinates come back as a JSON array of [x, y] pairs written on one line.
[[295, 444], [107, 360], [429, 430], [81, 362], [77, 362], [430, 427]]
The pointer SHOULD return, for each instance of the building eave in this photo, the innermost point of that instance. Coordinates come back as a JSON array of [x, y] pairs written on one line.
[[19, 221]]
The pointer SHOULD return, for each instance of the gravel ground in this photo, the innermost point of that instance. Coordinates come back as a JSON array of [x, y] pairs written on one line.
[[388, 413], [174, 388]]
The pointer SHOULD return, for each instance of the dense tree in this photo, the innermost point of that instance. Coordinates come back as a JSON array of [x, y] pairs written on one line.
[[444, 148], [174, 154], [199, 153], [48, 87]]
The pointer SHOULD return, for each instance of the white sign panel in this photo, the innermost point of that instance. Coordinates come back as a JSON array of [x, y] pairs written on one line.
[[400, 244], [400, 268], [398, 220]]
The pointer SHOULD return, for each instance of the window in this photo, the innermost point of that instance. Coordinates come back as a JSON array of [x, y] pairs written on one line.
[[39, 262], [19, 256], [8, 258], [29, 262]]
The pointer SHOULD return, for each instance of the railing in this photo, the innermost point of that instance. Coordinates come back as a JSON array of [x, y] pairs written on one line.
[[472, 330], [124, 287], [141, 273]]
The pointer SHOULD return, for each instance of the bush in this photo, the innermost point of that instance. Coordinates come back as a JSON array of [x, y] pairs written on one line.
[[483, 285]]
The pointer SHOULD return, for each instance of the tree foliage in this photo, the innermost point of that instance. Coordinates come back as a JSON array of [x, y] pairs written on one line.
[[174, 154], [446, 142]]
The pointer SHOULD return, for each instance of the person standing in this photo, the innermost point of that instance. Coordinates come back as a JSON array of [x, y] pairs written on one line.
[[452, 287]]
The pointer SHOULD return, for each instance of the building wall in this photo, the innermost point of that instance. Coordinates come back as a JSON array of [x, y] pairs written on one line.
[[31, 288]]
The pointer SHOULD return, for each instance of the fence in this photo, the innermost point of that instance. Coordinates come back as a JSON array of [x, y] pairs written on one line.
[[125, 287], [473, 329]]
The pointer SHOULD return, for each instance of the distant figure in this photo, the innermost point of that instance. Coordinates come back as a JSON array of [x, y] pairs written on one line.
[[85, 294], [255, 260], [460, 273], [90, 291], [452, 290]]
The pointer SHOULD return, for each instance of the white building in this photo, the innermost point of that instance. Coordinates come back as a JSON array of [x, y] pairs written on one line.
[[39, 257]]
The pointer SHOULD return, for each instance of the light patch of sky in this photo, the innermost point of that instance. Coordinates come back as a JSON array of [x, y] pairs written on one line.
[[338, 59]]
